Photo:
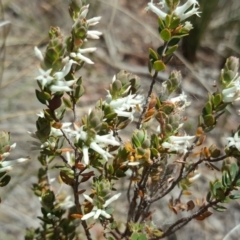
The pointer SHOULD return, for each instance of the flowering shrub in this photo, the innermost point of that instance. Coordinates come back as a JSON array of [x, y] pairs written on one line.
[[90, 154]]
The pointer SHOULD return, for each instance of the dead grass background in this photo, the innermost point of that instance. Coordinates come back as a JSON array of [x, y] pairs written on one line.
[[128, 33]]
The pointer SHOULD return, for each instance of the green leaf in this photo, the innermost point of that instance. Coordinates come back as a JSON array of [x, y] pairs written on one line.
[[149, 66], [154, 152], [238, 183], [67, 102], [161, 24], [142, 237], [138, 236], [134, 236], [208, 108], [171, 50], [221, 107], [5, 180], [217, 185], [234, 170], [120, 173], [159, 65], [40, 96], [226, 181], [79, 91], [110, 169], [175, 23], [209, 195], [173, 41], [180, 36], [209, 120], [153, 55], [219, 208], [217, 99], [165, 35], [235, 196], [168, 20]]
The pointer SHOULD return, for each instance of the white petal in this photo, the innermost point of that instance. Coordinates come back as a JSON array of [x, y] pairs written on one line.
[[98, 149], [93, 21], [113, 198], [105, 214], [13, 162], [87, 216], [5, 169], [55, 88], [156, 10], [93, 34], [83, 58], [87, 50], [38, 54], [88, 198], [97, 214], [85, 155]]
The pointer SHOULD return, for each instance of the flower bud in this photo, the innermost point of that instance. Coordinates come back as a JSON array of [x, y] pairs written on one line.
[[4, 142], [232, 64], [116, 86], [174, 81]]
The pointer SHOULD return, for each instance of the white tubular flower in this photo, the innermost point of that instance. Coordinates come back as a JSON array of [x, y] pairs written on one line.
[[178, 143], [45, 78], [195, 177], [7, 165], [70, 158], [156, 10], [98, 143], [96, 147], [38, 54], [79, 56], [97, 212], [6, 169], [85, 155], [84, 11], [93, 21], [110, 200], [62, 74], [55, 88], [234, 141], [62, 86], [87, 50], [233, 93], [180, 11], [180, 102], [93, 34], [126, 106], [107, 139]]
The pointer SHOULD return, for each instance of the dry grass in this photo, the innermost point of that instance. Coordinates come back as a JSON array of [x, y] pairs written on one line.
[[122, 47]]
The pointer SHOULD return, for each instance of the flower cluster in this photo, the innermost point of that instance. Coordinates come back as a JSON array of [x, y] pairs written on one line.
[[5, 149], [122, 101], [99, 211], [183, 12], [178, 144], [56, 81], [234, 141], [97, 143]]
